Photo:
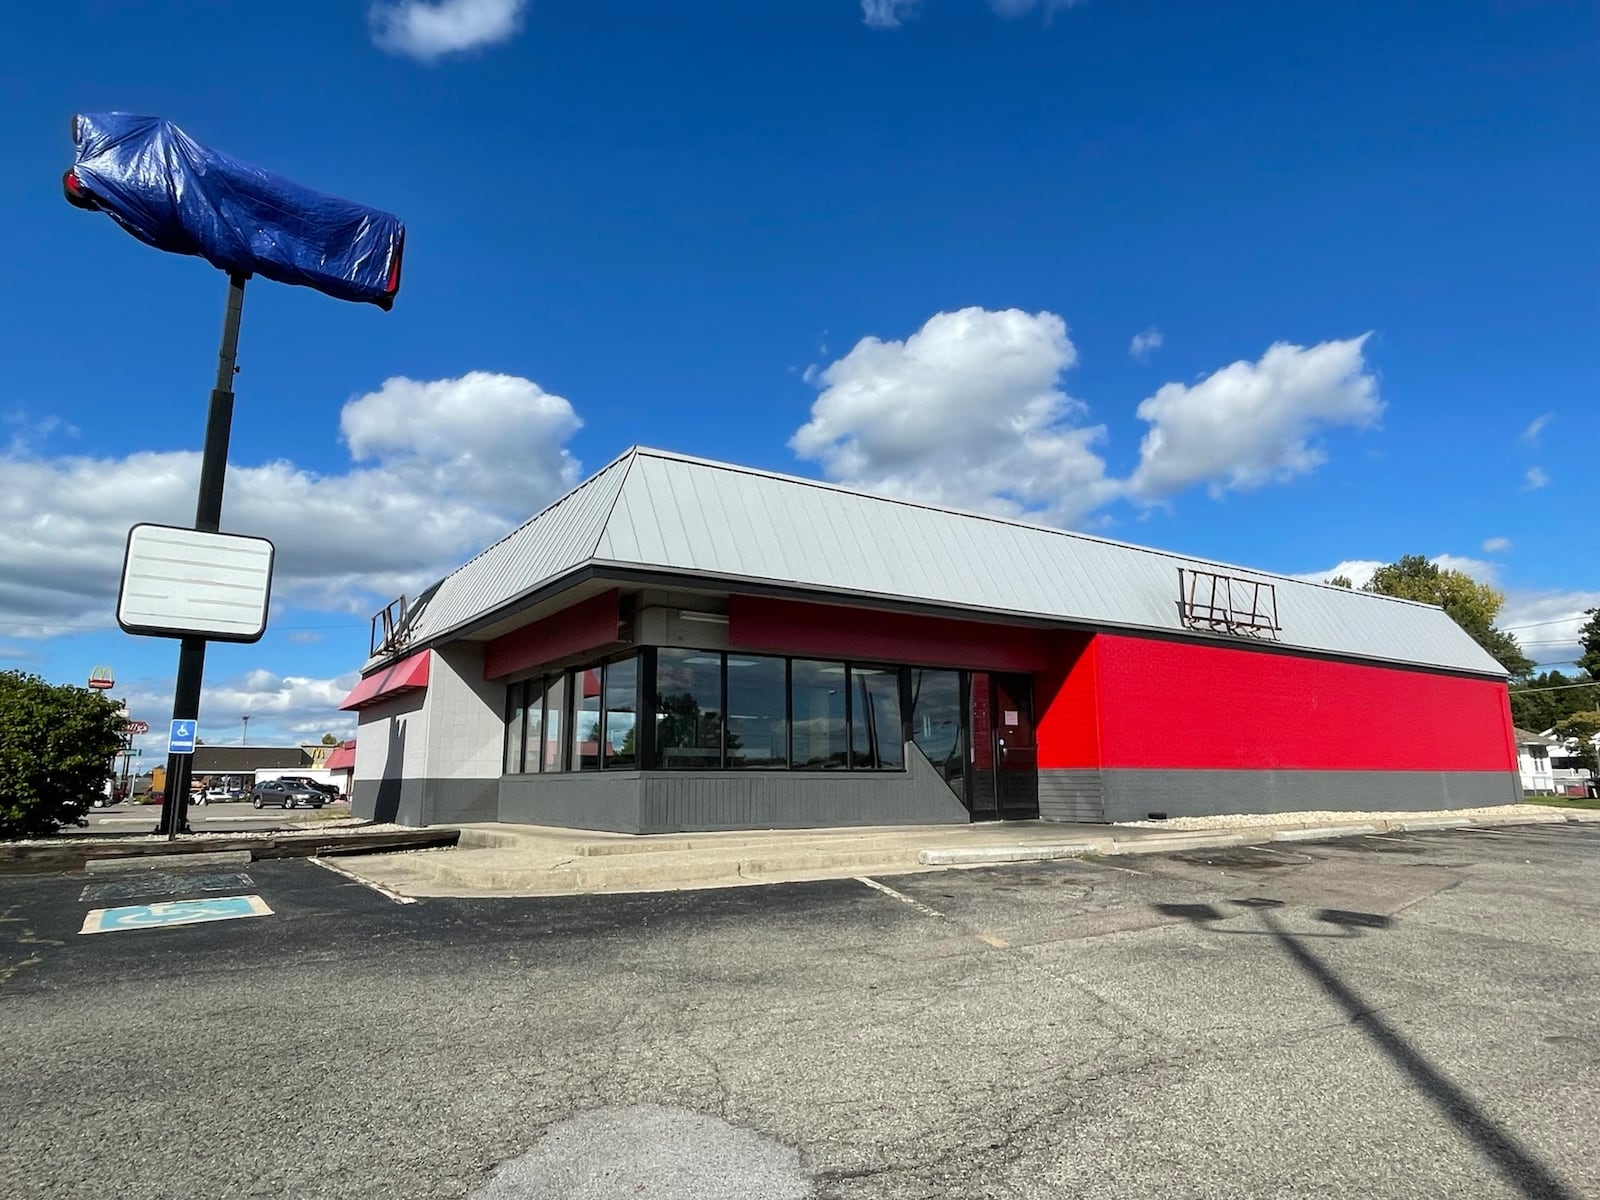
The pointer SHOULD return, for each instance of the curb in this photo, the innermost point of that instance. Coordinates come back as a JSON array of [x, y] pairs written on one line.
[[157, 862], [48, 859], [1208, 839], [958, 857]]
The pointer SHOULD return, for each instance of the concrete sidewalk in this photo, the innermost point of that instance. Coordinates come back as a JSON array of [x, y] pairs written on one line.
[[527, 860]]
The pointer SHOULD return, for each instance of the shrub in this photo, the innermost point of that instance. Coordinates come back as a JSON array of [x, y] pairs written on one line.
[[56, 747]]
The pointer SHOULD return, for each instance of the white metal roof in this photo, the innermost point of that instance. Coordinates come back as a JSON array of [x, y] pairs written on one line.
[[724, 524]]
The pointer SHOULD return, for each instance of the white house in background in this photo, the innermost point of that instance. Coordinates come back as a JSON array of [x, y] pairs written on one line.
[[1548, 767], [1533, 761]]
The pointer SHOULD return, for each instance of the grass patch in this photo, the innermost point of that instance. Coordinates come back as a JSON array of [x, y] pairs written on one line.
[[1562, 801]]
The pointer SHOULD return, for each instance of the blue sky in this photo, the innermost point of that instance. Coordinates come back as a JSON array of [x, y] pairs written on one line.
[[908, 245]]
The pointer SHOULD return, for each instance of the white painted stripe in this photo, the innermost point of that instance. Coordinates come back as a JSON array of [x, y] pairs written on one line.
[[387, 893], [902, 897]]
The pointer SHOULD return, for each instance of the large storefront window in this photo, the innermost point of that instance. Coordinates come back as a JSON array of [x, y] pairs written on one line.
[[533, 728], [713, 710], [758, 715], [622, 718], [516, 710], [555, 711], [586, 720], [817, 699], [688, 709], [936, 724], [875, 728]]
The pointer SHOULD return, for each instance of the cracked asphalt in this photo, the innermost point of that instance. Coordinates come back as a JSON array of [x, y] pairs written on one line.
[[1397, 1016]]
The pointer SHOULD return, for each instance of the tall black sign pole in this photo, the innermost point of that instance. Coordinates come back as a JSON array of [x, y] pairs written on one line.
[[207, 519]]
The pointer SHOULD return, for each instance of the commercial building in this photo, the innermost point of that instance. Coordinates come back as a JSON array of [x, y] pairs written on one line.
[[680, 644]]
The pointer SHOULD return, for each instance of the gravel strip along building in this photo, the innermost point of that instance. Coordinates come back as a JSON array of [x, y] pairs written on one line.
[[680, 645]]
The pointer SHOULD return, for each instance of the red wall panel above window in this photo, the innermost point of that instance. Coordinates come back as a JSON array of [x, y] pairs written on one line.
[[588, 625], [758, 623]]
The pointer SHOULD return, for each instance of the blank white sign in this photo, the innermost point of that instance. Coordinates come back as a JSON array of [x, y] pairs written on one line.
[[181, 582]]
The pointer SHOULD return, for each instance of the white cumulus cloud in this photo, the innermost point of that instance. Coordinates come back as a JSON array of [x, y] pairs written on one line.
[[886, 14], [441, 469], [1547, 622], [1536, 478], [1253, 423], [430, 29], [967, 411], [1536, 427], [1496, 545], [284, 710], [1021, 8], [891, 14], [1359, 571], [1144, 343]]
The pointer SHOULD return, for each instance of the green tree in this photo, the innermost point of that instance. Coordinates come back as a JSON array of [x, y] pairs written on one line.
[[56, 747], [1589, 636], [1543, 699], [1473, 605], [329, 739], [1342, 581], [1578, 732]]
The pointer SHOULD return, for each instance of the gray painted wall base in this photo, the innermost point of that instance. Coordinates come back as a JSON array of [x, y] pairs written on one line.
[[1072, 796], [1132, 795], [701, 801], [426, 801]]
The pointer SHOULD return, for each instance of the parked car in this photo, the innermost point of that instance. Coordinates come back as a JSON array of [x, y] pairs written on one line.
[[287, 794], [327, 789]]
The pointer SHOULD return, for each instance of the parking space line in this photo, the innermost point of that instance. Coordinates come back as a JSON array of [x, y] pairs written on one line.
[[386, 893], [903, 898], [988, 939]]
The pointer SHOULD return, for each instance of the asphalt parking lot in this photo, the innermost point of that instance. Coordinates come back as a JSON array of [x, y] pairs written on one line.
[[1396, 1016]]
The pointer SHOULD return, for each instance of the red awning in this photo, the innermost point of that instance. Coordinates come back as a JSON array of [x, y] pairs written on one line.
[[342, 758], [407, 675]]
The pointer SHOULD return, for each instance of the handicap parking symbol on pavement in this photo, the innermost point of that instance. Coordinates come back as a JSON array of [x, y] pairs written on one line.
[[174, 912]]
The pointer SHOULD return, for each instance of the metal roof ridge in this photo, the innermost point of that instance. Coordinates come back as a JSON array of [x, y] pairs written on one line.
[[628, 454], [843, 489]]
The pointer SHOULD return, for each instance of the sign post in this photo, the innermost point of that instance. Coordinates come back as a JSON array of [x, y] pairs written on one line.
[[207, 518]]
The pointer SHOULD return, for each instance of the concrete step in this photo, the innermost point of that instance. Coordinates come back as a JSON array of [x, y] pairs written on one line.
[[499, 869]]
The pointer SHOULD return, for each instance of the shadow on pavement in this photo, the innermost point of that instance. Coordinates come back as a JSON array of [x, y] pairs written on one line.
[[1515, 1163]]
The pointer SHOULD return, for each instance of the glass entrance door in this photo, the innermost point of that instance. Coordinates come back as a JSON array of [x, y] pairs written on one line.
[[1004, 782], [1016, 753]]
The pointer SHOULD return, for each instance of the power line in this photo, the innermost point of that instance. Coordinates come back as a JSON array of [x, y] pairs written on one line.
[[1553, 687], [1538, 624]]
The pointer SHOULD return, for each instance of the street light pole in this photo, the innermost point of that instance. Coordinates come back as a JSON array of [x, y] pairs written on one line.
[[244, 738], [207, 519]]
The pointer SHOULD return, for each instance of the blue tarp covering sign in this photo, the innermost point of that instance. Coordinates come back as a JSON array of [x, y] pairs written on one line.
[[175, 194]]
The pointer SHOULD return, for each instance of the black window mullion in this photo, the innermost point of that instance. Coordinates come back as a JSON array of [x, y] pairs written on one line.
[[849, 725], [788, 713], [722, 715], [602, 744], [647, 708], [537, 766], [905, 706], [505, 750]]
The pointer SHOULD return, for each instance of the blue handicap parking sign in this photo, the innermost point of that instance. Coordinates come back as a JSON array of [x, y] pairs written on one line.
[[181, 738], [174, 912]]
